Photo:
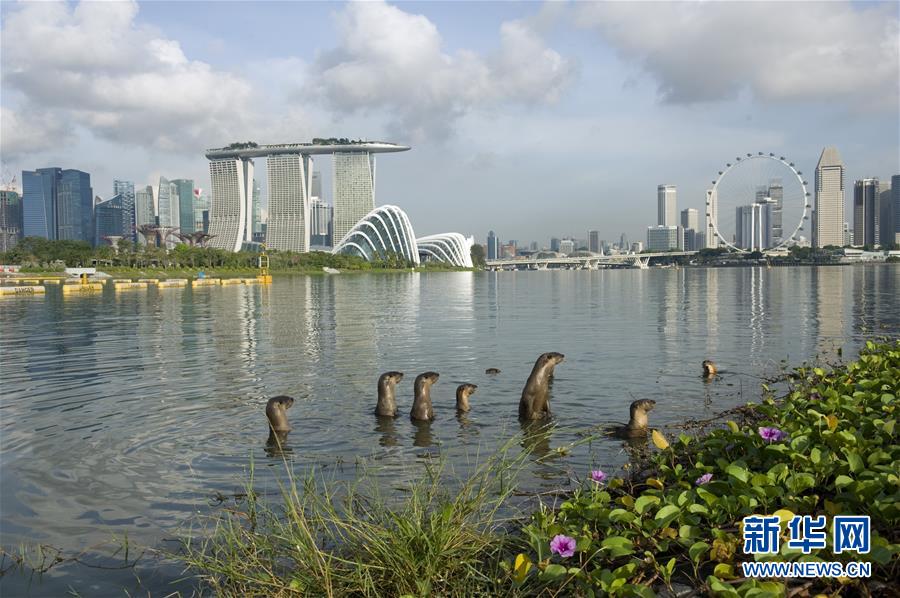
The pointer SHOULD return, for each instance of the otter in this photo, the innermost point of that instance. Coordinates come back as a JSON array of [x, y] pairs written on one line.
[[422, 409], [276, 413], [637, 423], [709, 368], [463, 392], [387, 402], [535, 401], [492, 371]]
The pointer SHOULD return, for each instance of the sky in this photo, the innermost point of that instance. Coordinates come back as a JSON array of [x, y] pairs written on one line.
[[535, 120]]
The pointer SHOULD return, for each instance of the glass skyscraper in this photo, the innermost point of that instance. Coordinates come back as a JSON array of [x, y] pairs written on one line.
[[108, 219], [354, 190], [185, 191], [10, 219], [58, 204], [144, 210], [126, 190]]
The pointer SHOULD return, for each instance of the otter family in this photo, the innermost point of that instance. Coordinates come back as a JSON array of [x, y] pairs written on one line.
[[533, 405]]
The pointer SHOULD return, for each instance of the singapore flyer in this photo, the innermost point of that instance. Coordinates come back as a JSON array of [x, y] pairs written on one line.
[[759, 202]]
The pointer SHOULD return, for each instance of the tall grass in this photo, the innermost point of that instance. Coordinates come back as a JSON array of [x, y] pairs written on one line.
[[445, 537]]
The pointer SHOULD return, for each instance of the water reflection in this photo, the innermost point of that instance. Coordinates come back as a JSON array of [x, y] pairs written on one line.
[[387, 428]]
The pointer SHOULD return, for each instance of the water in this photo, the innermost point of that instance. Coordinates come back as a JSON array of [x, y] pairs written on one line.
[[125, 413]]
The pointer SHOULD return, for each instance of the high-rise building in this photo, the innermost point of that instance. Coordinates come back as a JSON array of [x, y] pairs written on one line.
[[39, 198], [567, 246], [354, 189], [231, 203], [185, 191], [866, 212], [144, 210], [320, 223], [690, 218], [108, 219], [168, 210], [594, 241], [126, 190], [75, 206], [775, 232], [316, 190], [637, 247], [895, 202], [10, 219], [887, 215], [623, 242], [256, 224], [666, 209], [290, 178], [554, 244], [493, 246], [201, 212], [848, 234], [662, 238], [829, 189]]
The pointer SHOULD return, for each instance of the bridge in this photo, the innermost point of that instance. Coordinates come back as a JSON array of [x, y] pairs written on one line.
[[587, 262]]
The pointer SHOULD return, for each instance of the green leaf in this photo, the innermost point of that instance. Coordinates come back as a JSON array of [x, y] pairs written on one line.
[[617, 546], [854, 460], [842, 480], [697, 550], [553, 571], [738, 472], [621, 516], [724, 571], [666, 514], [799, 482], [643, 503]]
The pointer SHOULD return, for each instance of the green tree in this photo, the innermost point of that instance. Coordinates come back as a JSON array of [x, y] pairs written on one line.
[[478, 258]]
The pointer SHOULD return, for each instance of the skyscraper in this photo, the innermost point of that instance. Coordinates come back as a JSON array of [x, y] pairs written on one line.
[[666, 210], [829, 189], [775, 193], [895, 202], [866, 212], [690, 218], [185, 191], [320, 222], [594, 241], [126, 190], [168, 210], [887, 215], [39, 202], [290, 178], [354, 190], [256, 225], [108, 219], [231, 204], [493, 246], [10, 219], [317, 185], [144, 210]]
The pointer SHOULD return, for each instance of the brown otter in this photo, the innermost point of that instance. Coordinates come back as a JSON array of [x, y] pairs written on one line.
[[535, 401], [463, 392], [276, 413], [422, 408], [637, 423], [492, 371], [709, 368], [387, 402]]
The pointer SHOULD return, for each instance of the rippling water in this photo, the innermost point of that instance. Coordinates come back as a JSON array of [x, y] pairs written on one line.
[[123, 413]]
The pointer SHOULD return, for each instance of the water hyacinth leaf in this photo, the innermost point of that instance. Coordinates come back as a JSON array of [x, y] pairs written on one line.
[[854, 460], [644, 502], [655, 483], [800, 482], [784, 515], [659, 441], [621, 516], [832, 422], [732, 426]]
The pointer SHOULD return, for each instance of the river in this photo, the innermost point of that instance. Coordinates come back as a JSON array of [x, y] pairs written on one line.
[[125, 413]]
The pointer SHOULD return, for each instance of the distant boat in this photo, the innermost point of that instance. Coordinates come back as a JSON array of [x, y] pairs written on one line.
[[330, 270]]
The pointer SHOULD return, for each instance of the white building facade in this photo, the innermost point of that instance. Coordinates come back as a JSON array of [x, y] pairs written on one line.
[[288, 224], [231, 209], [829, 189]]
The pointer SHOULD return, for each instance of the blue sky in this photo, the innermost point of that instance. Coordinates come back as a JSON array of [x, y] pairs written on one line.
[[535, 120]]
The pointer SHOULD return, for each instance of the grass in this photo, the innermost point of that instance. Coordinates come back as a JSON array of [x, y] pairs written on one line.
[[445, 537]]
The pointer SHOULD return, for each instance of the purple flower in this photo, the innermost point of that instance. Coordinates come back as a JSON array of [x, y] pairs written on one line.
[[706, 477], [772, 434], [562, 545], [598, 476]]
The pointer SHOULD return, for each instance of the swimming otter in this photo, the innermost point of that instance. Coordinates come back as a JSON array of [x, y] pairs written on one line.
[[709, 368], [276, 412], [387, 402], [492, 371], [535, 401], [463, 392], [422, 408], [637, 423]]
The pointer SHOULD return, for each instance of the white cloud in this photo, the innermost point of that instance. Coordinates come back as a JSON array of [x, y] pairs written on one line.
[[830, 51], [389, 60], [92, 66], [29, 132]]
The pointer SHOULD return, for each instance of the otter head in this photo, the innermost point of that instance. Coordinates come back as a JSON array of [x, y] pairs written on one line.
[[282, 402], [276, 413], [428, 378], [553, 357], [392, 377], [639, 410], [463, 392], [709, 368]]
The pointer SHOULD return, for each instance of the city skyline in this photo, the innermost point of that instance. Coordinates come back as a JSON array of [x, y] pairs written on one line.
[[584, 83]]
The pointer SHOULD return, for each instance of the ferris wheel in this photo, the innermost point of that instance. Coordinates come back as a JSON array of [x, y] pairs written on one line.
[[760, 201]]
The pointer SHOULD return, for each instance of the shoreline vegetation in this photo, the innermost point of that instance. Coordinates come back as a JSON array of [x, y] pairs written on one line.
[[672, 526]]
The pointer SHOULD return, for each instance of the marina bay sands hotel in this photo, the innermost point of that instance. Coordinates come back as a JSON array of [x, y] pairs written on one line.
[[289, 170]]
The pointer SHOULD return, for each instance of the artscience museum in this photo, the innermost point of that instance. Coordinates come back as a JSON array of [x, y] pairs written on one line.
[[386, 230]]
